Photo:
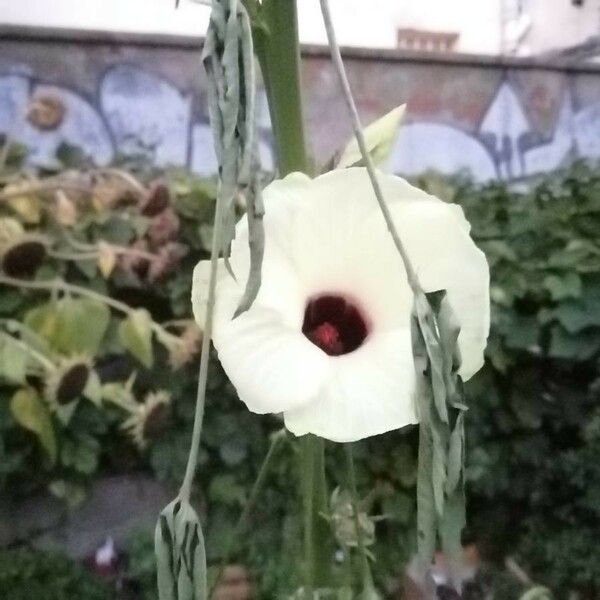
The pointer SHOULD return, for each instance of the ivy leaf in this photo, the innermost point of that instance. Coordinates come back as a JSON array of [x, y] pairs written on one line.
[[522, 333], [135, 333], [563, 287], [580, 346], [72, 493], [576, 315], [31, 413], [379, 138]]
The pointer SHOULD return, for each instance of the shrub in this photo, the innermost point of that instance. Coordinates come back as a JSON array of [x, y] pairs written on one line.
[[533, 427], [26, 574]]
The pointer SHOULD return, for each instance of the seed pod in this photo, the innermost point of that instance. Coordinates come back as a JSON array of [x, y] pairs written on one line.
[[180, 553]]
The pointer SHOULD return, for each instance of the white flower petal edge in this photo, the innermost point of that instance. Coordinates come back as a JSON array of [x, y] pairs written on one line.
[[437, 239], [327, 237]]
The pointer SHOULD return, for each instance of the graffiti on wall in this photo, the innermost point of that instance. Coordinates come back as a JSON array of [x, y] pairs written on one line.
[[138, 112], [135, 113], [505, 145]]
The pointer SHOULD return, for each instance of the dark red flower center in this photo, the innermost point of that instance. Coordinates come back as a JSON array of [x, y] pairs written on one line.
[[335, 324]]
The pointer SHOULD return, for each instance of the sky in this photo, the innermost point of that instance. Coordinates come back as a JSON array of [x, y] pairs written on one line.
[[371, 23]]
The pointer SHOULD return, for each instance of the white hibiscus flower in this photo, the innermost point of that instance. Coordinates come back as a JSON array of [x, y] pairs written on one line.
[[327, 341]]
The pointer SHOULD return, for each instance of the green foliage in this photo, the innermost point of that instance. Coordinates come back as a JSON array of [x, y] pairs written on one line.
[[532, 427], [80, 330], [26, 574]]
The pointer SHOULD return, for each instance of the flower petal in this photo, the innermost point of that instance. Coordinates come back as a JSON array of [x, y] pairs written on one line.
[[369, 391], [436, 236], [272, 366]]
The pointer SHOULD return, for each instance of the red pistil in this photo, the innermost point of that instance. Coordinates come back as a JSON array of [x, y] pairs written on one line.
[[335, 324], [327, 337]]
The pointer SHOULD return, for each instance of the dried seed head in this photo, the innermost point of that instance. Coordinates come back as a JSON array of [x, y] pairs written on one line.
[[20, 253], [72, 383], [24, 258], [157, 200], [66, 384], [157, 421], [150, 419], [185, 347], [163, 228]]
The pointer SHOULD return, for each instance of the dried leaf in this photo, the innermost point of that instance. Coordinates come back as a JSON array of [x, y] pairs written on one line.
[[27, 205], [65, 212], [107, 258]]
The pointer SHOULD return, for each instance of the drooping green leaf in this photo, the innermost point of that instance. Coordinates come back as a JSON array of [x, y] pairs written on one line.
[[71, 325], [82, 323], [43, 320], [135, 333], [13, 360], [30, 412], [455, 455], [440, 493], [452, 523]]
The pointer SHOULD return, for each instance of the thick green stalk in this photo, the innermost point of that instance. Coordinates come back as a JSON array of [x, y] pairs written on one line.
[[365, 570], [278, 51], [318, 547], [275, 30]]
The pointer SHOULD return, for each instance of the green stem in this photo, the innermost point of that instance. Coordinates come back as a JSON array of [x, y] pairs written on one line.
[[367, 579], [317, 540], [186, 486], [278, 51], [59, 285], [254, 493]]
